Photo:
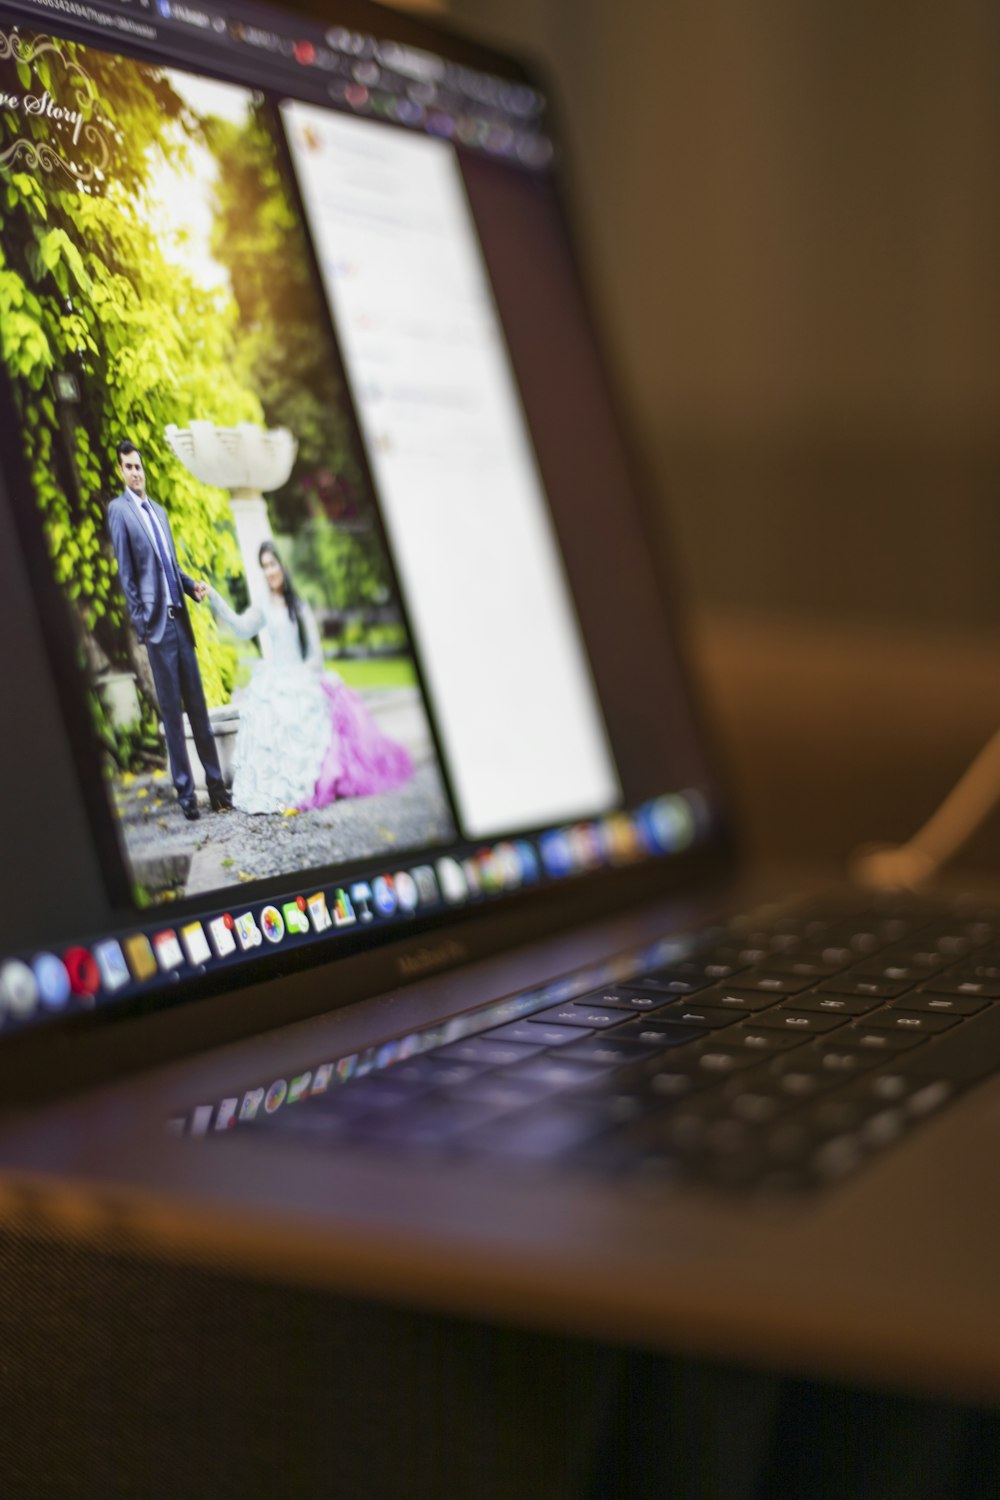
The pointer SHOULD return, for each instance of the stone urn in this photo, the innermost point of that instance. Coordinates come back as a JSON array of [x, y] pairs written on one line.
[[248, 461]]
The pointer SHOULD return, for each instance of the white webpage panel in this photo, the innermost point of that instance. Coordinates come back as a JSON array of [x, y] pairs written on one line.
[[460, 492]]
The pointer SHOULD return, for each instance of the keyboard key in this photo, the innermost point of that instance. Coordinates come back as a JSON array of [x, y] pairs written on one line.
[[845, 1005], [437, 1071], [559, 1072], [767, 1042], [931, 1096], [859, 941], [798, 1021], [768, 982], [670, 982], [895, 929], [887, 1087], [836, 956], [984, 929], [845, 1062], [762, 939], [783, 942], [502, 1090], [609, 1050], [622, 998], [757, 1107], [711, 1017], [872, 1040], [883, 1127], [531, 1033], [870, 936], [616, 1106], [741, 957], [658, 1033], [953, 944], [668, 1081], [707, 968], [379, 1091], [986, 969], [863, 984], [580, 1014], [958, 984], [807, 927], [491, 1054], [738, 999], [874, 1091], [955, 1005], [806, 968], [720, 1061], [837, 1157], [896, 970], [805, 1083], [918, 956], [904, 1021]]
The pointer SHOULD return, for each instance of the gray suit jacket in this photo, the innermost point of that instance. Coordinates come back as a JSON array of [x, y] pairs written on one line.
[[139, 568]]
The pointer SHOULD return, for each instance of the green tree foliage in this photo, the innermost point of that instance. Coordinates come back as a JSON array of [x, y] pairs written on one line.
[[338, 569], [87, 291], [107, 335], [285, 350]]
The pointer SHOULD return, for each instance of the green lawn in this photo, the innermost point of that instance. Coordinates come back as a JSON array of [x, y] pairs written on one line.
[[376, 672], [367, 674]]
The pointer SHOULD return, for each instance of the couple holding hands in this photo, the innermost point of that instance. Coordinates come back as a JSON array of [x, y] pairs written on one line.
[[305, 739]]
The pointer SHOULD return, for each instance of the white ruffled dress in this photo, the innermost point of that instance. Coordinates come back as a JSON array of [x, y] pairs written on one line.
[[285, 732]]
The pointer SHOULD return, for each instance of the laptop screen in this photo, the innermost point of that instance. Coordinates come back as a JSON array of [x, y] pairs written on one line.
[[325, 603]]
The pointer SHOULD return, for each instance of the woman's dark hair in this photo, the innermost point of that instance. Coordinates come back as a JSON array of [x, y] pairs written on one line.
[[291, 598]]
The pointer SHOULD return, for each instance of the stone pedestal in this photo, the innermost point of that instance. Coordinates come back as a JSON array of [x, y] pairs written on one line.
[[253, 527], [225, 722], [248, 461]]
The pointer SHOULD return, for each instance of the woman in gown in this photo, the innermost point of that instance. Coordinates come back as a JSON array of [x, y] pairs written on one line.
[[305, 739]]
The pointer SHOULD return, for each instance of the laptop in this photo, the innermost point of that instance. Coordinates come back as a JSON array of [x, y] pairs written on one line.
[[371, 911]]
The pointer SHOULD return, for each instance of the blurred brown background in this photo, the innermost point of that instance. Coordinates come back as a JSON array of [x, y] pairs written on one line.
[[790, 218]]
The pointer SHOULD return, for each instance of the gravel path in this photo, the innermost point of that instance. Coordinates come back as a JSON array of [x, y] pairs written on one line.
[[228, 849]]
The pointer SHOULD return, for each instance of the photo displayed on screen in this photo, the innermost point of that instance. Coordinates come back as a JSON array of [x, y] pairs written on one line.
[[198, 479]]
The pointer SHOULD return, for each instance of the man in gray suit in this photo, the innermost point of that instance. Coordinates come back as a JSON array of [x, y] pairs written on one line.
[[154, 588]]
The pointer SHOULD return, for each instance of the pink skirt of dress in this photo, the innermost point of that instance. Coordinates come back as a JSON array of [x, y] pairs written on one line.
[[360, 760]]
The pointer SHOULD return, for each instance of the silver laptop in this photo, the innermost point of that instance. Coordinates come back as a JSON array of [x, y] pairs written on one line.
[[368, 890]]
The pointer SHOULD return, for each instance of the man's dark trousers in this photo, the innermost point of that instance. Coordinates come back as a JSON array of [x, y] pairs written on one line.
[[178, 687]]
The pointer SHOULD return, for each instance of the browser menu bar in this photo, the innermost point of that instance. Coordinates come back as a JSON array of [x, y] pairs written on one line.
[[370, 76]]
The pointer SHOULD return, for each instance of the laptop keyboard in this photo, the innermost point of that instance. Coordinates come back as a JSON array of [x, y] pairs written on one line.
[[776, 1054]]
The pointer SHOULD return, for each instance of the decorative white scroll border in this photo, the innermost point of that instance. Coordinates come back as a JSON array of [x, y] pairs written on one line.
[[35, 155]]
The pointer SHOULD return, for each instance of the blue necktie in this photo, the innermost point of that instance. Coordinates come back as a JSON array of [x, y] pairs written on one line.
[[168, 565]]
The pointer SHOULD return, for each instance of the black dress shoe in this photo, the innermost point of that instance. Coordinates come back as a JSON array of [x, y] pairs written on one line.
[[221, 801], [190, 811]]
